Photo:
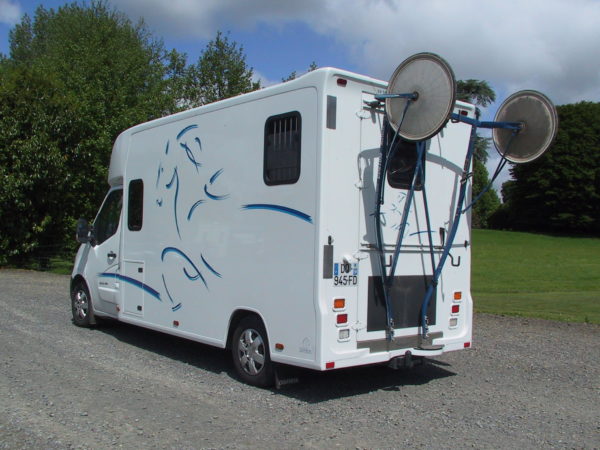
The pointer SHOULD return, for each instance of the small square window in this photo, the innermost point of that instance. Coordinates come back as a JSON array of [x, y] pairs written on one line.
[[282, 149]]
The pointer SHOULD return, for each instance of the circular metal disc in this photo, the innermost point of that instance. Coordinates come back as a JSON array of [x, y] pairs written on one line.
[[432, 79], [539, 118]]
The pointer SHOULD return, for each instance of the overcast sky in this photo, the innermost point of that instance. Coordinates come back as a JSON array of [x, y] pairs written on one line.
[[549, 45]]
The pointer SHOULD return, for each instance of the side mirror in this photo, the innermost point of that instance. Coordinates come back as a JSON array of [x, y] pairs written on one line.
[[83, 232]]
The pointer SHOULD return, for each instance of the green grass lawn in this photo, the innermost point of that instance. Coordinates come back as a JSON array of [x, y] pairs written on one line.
[[536, 275]]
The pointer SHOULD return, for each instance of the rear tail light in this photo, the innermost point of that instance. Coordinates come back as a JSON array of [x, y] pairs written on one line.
[[455, 309], [341, 318], [339, 303]]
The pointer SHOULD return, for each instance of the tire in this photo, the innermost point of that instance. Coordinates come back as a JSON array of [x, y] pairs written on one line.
[[81, 305], [250, 352]]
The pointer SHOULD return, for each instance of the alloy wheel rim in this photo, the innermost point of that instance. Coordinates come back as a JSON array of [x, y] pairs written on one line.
[[251, 352], [80, 304]]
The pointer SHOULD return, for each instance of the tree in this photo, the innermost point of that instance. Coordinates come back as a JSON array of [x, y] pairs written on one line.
[[74, 79], [481, 94], [220, 72], [560, 191], [292, 76]]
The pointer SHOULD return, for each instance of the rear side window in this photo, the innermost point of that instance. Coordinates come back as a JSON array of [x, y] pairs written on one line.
[[282, 149], [135, 205], [403, 164]]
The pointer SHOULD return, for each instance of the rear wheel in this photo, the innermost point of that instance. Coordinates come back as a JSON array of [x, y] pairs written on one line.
[[250, 352], [81, 305]]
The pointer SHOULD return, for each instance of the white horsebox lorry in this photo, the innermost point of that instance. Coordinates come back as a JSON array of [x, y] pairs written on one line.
[[254, 223]]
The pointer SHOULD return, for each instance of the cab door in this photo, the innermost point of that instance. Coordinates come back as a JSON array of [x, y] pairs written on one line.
[[103, 262]]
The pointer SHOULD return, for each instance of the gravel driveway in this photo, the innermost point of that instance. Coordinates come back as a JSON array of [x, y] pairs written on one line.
[[526, 384]]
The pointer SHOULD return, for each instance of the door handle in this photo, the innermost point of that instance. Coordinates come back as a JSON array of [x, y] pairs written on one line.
[[111, 255]]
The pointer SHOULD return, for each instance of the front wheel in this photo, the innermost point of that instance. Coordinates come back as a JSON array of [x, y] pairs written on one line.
[[81, 305], [250, 352]]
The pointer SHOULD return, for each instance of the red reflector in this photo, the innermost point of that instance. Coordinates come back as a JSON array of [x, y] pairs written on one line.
[[341, 82], [467, 344], [342, 318], [330, 365], [455, 309], [464, 113], [176, 323], [278, 346]]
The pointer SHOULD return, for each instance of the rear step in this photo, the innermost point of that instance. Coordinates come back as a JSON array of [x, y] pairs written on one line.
[[401, 342]]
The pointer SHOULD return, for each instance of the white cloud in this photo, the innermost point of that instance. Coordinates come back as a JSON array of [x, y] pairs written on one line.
[[549, 45], [10, 12], [202, 19], [264, 81]]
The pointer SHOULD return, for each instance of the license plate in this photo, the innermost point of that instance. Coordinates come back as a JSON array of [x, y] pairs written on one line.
[[345, 274]]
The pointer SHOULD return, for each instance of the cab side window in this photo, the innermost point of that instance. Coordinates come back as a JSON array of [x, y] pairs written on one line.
[[107, 220]]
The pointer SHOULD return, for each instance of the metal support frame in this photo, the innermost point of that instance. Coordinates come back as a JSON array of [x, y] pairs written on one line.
[[386, 155]]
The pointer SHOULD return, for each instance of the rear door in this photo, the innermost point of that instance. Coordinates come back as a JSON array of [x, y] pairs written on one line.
[[414, 267]]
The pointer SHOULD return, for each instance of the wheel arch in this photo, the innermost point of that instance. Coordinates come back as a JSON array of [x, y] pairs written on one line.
[[236, 317], [80, 279]]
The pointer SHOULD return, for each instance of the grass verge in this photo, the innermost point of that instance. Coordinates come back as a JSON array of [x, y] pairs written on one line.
[[533, 275]]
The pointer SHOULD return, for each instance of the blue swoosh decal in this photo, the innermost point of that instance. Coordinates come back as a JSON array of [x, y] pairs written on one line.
[[215, 176], [418, 232], [174, 178], [194, 206], [282, 209], [190, 155], [214, 197], [209, 267], [184, 256], [160, 170], [185, 130], [154, 293]]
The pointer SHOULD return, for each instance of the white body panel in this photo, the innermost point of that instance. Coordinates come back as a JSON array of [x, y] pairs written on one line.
[[217, 239]]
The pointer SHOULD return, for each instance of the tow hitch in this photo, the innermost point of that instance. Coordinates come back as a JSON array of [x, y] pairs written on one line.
[[406, 361]]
